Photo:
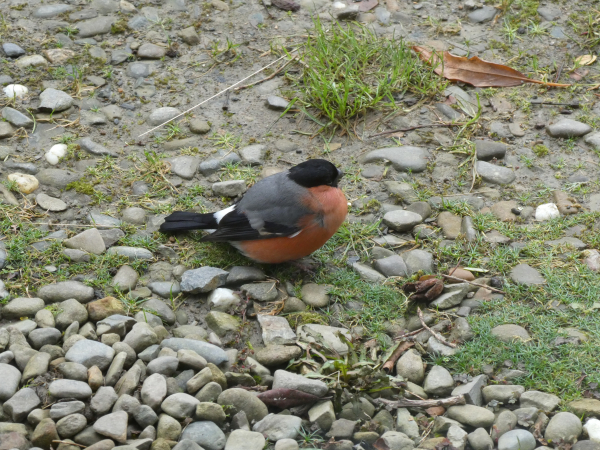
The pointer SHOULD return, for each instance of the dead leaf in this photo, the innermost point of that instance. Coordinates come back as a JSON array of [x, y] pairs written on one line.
[[286, 398], [380, 444], [476, 71], [585, 60], [579, 73], [367, 5], [332, 147], [435, 411]]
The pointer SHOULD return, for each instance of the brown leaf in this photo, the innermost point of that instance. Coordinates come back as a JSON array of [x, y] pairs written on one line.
[[578, 74], [380, 445], [367, 5], [286, 398], [435, 410], [475, 71]]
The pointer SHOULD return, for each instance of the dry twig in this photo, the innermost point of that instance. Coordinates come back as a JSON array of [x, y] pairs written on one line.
[[406, 403], [437, 335], [450, 277]]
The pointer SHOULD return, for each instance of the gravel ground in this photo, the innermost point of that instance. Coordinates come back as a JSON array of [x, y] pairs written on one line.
[[115, 335]]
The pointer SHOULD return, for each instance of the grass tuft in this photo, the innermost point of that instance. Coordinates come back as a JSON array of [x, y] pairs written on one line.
[[350, 71]]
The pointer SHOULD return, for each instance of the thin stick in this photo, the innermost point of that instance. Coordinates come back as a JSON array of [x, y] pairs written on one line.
[[412, 333], [450, 277], [406, 403], [437, 335], [270, 77], [389, 364], [431, 125], [216, 95], [76, 225]]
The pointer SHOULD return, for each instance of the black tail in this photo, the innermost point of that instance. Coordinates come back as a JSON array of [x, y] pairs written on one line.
[[181, 221]]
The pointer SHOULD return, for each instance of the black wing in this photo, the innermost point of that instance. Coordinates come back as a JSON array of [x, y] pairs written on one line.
[[235, 226]]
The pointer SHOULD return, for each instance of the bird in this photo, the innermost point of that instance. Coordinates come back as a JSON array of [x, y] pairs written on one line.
[[281, 218]]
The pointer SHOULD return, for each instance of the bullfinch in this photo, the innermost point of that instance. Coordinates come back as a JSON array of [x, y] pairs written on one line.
[[281, 218]]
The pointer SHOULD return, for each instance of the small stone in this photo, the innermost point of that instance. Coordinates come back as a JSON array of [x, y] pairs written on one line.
[[51, 204], [161, 115], [495, 174], [276, 330], [327, 335], [480, 440], [16, 118], [582, 407], [526, 275], [89, 241], [392, 266], [517, 440], [10, 381], [206, 434], [546, 211], [53, 100], [44, 434], [70, 389], [322, 414], [232, 188], [242, 400], [151, 51], [275, 427], [245, 440], [404, 159], [105, 307], [563, 427], [133, 253], [592, 428], [472, 390], [410, 366], [438, 382], [190, 37], [25, 182], [400, 220], [510, 333], [287, 380], [367, 273], [65, 290], [418, 260], [276, 103], [568, 128], [91, 353], [31, 61], [315, 295], [471, 415], [488, 150], [70, 425], [113, 426], [201, 280], [21, 404], [483, 15], [540, 400], [12, 50], [211, 353]]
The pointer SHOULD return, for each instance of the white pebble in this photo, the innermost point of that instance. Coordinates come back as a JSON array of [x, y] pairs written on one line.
[[223, 299], [592, 428], [26, 183], [339, 5], [15, 90], [56, 153], [546, 211]]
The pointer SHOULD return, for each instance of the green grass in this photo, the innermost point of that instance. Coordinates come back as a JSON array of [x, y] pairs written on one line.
[[350, 71], [550, 368]]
